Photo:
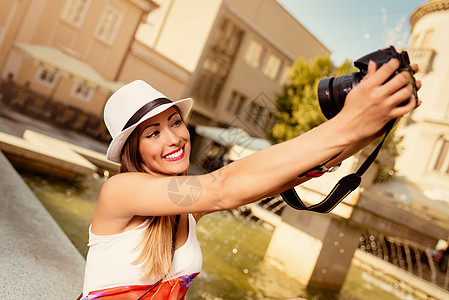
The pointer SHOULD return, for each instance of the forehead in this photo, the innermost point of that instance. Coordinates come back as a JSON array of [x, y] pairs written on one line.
[[157, 119]]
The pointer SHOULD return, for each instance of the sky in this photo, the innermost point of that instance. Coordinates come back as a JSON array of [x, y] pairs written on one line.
[[353, 28]]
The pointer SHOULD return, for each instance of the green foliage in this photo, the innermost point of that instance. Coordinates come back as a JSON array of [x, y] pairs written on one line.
[[298, 106], [299, 109]]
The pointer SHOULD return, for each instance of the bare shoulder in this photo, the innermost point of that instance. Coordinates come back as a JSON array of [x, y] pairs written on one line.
[[121, 186], [114, 184], [124, 181], [126, 189], [112, 213]]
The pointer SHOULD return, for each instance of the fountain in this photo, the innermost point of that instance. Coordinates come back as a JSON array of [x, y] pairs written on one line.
[[233, 249]]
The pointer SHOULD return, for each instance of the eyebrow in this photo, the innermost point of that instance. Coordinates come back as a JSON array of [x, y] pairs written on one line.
[[169, 117], [157, 124]]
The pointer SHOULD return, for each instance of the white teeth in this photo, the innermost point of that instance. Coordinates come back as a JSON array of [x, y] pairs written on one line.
[[174, 155]]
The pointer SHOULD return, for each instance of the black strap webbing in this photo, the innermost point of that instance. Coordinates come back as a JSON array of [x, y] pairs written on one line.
[[343, 187]]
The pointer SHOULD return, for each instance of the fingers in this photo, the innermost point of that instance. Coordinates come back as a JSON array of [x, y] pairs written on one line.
[[418, 84], [404, 95], [380, 76], [400, 80], [396, 91], [372, 67], [381, 97], [397, 82], [415, 70]]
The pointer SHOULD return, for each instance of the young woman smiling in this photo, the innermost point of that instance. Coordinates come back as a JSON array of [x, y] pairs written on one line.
[[142, 238]]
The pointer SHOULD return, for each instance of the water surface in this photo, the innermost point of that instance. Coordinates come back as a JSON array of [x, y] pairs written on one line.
[[233, 250]]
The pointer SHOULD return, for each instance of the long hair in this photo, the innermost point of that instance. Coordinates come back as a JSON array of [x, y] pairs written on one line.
[[157, 244]]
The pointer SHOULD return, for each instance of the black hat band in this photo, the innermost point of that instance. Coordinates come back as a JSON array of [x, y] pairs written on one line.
[[144, 110]]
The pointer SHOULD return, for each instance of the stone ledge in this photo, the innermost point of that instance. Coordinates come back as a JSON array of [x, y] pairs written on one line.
[[37, 259]]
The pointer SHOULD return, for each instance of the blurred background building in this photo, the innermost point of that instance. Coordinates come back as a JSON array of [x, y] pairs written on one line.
[[231, 56], [425, 156]]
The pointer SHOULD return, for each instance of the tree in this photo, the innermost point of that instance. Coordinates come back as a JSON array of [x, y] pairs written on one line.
[[299, 109], [298, 106]]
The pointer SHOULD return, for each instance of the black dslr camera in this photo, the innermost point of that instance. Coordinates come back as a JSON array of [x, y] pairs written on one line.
[[332, 91]]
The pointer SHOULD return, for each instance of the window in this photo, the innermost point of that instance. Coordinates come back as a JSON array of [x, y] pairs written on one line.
[[75, 11], [82, 92], [285, 75], [271, 120], [260, 116], [212, 66], [272, 66], [217, 64], [415, 39], [254, 54], [427, 38], [260, 112], [47, 78], [442, 160], [109, 25], [255, 114], [236, 103]]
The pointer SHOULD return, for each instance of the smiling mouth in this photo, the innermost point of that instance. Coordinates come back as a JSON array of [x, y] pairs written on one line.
[[176, 155]]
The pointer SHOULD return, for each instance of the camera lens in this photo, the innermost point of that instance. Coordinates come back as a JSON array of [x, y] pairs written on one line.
[[326, 98], [332, 92]]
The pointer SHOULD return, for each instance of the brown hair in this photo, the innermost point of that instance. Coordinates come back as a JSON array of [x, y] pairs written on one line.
[[157, 244]]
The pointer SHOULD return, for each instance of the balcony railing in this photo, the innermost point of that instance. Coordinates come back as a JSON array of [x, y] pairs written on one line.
[[30, 103], [423, 57]]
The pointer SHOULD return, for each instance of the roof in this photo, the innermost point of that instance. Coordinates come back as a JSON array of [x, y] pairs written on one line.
[[232, 136], [241, 144], [66, 64]]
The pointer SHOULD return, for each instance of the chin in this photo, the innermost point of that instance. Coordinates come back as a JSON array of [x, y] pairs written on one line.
[[178, 171], [183, 170]]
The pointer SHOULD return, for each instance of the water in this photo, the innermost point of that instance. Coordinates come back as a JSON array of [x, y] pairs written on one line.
[[233, 250]]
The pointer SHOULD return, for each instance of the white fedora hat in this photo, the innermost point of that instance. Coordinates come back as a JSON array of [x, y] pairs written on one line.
[[129, 106]]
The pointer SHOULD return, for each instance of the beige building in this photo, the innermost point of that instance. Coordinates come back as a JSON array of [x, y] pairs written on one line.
[[425, 157], [231, 56], [70, 51]]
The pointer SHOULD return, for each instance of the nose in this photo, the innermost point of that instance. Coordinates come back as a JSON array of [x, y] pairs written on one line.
[[172, 138]]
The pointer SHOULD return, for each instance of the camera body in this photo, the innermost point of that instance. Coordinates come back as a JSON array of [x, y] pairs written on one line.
[[332, 91]]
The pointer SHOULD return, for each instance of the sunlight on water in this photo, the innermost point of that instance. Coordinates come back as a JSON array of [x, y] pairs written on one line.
[[233, 250]]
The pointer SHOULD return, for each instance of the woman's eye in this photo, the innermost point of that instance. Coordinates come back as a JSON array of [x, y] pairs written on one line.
[[153, 134], [177, 123]]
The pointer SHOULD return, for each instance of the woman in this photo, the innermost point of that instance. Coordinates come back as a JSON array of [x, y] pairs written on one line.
[[142, 237]]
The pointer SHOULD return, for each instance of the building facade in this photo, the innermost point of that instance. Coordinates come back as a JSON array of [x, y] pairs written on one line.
[[70, 50], [230, 56], [425, 157]]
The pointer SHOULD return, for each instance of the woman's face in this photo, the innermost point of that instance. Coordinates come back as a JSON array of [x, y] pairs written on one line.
[[164, 144]]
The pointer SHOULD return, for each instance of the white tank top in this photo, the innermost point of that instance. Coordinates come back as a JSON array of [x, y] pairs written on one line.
[[109, 262]]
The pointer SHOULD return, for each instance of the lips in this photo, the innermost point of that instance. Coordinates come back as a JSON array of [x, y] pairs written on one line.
[[175, 155]]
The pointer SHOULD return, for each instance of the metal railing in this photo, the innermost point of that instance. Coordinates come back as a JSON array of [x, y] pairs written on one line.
[[35, 105]]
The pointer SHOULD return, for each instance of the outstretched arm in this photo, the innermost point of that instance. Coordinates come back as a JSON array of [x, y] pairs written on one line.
[[368, 107]]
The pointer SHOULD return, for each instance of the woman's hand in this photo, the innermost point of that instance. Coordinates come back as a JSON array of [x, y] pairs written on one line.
[[377, 100]]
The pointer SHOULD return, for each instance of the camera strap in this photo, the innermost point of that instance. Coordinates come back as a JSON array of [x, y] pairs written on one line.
[[343, 187]]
